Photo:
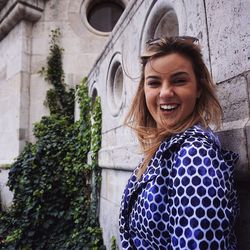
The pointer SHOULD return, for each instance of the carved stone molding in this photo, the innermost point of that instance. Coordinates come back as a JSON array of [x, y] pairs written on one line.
[[14, 11]]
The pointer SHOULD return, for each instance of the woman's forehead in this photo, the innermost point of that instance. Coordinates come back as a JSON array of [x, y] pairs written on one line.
[[167, 64]]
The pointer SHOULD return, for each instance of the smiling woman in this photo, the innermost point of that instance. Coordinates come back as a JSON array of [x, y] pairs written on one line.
[[182, 195]]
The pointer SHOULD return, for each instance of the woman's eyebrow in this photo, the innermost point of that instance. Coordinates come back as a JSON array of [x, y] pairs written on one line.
[[181, 73], [152, 77]]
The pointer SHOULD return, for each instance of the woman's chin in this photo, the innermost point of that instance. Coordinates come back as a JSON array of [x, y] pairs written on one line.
[[167, 124]]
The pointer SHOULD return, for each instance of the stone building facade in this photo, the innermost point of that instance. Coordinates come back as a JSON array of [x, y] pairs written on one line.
[[222, 29], [111, 61]]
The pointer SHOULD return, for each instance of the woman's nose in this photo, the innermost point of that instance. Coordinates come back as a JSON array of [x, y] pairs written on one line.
[[166, 91]]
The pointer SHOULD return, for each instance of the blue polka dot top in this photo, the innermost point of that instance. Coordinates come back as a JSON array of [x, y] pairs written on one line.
[[186, 198]]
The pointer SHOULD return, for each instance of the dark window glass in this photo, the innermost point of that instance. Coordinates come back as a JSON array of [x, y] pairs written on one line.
[[104, 16]]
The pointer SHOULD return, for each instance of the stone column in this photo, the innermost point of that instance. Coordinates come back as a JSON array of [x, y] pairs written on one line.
[[16, 20]]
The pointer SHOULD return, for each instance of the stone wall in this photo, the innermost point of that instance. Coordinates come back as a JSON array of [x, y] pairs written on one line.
[[222, 29]]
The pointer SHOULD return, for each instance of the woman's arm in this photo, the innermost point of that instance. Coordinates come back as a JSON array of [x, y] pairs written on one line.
[[201, 199]]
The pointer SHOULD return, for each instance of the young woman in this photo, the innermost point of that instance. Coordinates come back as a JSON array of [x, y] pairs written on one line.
[[182, 195]]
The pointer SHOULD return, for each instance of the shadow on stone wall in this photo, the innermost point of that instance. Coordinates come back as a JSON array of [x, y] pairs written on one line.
[[243, 223], [236, 141]]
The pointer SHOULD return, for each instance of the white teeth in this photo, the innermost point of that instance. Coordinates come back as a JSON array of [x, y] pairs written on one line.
[[168, 107]]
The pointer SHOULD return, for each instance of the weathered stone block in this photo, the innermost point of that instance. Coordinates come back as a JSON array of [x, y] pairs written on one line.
[[233, 97], [229, 37], [113, 183], [38, 89], [125, 157], [9, 121], [235, 140]]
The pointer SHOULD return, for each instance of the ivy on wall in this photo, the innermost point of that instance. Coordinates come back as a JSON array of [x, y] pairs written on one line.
[[55, 190], [58, 99]]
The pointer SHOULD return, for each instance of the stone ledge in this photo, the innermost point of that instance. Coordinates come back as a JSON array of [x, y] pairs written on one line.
[[15, 11]]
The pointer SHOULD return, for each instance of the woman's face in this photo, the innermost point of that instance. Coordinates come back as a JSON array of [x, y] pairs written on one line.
[[170, 89]]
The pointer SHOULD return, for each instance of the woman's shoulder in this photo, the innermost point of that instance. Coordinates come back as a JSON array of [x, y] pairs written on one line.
[[195, 136], [198, 141], [199, 137]]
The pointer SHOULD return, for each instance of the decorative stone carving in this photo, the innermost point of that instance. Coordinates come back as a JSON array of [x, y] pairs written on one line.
[[14, 11]]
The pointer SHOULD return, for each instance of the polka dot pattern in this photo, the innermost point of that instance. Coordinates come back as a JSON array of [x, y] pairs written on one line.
[[186, 198]]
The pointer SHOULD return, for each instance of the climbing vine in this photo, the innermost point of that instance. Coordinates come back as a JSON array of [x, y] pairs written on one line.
[[58, 99], [55, 190]]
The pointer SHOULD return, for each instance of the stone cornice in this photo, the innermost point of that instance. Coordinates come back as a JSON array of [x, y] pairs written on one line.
[[14, 11]]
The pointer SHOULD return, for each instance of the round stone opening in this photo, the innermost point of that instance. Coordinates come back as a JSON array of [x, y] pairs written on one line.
[[115, 86], [103, 15]]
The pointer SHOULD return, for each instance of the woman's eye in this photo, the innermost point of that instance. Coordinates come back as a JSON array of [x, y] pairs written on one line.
[[153, 83], [180, 80]]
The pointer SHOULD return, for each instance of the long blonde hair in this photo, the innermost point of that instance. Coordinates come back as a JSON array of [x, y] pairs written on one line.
[[207, 109]]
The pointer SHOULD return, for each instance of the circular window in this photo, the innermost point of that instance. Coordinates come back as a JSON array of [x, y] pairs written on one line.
[[118, 85], [103, 15], [162, 20], [167, 25], [115, 85]]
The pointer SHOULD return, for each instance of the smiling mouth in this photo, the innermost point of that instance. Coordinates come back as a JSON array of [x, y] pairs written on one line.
[[168, 107]]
